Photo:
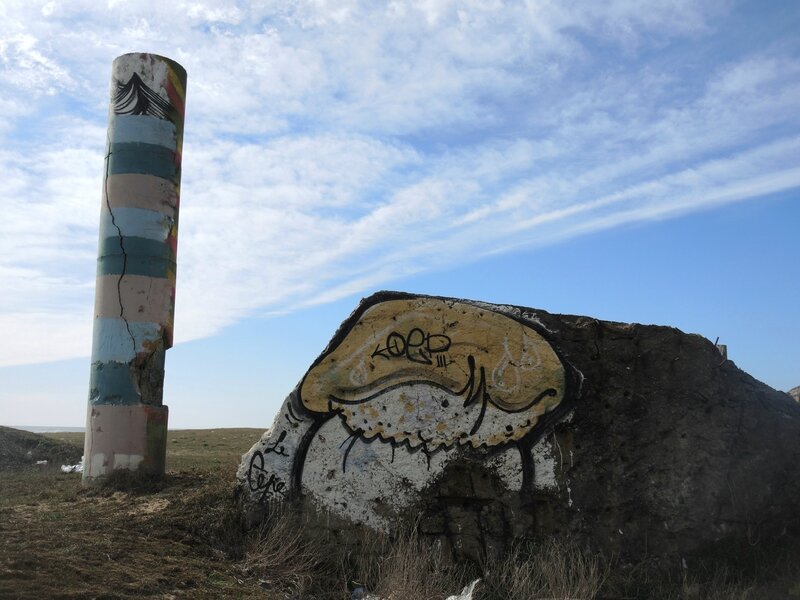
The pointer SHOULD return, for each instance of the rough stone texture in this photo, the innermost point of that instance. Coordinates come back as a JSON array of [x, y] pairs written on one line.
[[635, 440], [795, 393]]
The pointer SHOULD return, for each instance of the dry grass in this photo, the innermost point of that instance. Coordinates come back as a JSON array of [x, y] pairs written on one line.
[[182, 537], [411, 567], [284, 558], [722, 586], [556, 569], [713, 579], [295, 556], [176, 538]]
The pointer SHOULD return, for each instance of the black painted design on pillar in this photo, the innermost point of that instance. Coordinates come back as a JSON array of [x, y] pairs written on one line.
[[136, 98]]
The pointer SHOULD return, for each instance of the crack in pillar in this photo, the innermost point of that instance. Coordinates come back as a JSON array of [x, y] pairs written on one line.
[[124, 253]]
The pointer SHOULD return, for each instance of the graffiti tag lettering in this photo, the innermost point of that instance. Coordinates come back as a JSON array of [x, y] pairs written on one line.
[[417, 347], [259, 479]]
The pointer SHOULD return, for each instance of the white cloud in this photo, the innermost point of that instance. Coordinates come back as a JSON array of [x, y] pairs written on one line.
[[332, 147]]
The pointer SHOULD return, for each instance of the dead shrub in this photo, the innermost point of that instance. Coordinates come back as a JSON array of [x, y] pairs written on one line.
[[720, 586], [282, 557], [416, 568], [554, 570]]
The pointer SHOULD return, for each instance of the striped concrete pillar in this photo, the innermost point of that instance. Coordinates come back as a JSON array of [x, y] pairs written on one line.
[[135, 293]]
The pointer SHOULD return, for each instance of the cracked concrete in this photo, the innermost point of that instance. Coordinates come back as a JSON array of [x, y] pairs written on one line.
[[121, 247], [134, 297]]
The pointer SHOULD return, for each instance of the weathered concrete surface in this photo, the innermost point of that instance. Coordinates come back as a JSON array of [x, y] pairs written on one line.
[[485, 424]]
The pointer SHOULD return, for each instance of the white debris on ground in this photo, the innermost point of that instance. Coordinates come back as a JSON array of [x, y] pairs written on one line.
[[466, 594], [41, 462], [78, 468]]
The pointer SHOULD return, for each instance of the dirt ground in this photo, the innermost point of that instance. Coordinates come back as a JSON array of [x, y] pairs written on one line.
[[182, 537], [173, 539]]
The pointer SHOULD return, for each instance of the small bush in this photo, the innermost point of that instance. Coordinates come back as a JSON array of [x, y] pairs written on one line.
[[720, 587], [283, 557], [416, 568], [554, 570]]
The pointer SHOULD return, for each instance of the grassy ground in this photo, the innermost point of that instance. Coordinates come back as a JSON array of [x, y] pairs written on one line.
[[181, 538], [59, 540]]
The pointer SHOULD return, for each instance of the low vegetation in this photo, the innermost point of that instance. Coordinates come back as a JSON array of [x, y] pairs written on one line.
[[21, 450], [181, 537]]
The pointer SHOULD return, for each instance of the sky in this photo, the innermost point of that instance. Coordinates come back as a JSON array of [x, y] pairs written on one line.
[[635, 161]]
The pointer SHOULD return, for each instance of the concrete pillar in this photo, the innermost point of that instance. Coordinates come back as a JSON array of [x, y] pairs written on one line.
[[126, 426]]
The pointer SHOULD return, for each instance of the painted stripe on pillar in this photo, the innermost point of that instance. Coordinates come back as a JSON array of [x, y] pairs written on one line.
[[117, 341], [147, 159], [135, 246], [143, 129], [111, 383], [175, 88], [143, 299], [148, 266], [137, 222], [134, 190]]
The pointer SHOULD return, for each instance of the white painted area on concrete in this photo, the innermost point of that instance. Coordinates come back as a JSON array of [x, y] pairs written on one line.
[[371, 482], [507, 465], [366, 482], [97, 463], [127, 461], [267, 468], [544, 465]]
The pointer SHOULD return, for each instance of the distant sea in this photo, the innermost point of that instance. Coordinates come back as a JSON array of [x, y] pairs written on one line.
[[46, 429]]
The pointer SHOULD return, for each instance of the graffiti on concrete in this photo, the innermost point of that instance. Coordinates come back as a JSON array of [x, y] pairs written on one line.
[[136, 98], [406, 385], [491, 380]]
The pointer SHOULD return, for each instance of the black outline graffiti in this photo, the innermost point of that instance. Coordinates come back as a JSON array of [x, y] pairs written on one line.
[[353, 438], [136, 98], [473, 392], [291, 417]]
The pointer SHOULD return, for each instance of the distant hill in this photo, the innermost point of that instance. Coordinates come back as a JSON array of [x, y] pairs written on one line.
[[22, 449], [47, 428]]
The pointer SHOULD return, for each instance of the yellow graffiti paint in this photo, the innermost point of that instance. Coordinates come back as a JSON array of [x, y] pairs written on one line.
[[432, 372]]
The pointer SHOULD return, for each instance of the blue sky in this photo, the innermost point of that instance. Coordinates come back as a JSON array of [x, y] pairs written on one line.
[[633, 161]]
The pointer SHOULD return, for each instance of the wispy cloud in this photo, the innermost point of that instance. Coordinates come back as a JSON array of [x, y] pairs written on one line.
[[334, 147]]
